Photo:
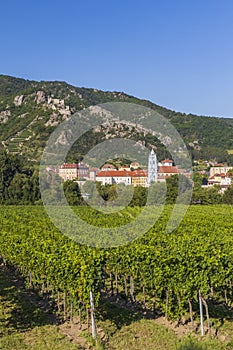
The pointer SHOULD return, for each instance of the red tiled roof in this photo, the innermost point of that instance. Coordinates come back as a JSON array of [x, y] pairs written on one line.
[[68, 166], [165, 169], [108, 166], [121, 173], [94, 169], [219, 175], [167, 161], [113, 173], [139, 173]]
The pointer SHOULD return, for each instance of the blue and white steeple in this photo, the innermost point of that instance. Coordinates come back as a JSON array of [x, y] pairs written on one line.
[[152, 168]]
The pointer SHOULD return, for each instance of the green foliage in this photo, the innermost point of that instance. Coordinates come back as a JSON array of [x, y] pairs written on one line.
[[19, 183], [208, 196], [193, 345], [29, 240], [139, 197], [228, 195], [197, 255], [10, 85], [213, 135], [72, 193]]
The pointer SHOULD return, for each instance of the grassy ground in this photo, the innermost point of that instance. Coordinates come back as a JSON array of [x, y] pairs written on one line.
[[24, 325], [129, 331], [147, 335]]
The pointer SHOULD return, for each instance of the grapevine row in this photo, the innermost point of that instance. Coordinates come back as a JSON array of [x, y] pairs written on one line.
[[159, 270]]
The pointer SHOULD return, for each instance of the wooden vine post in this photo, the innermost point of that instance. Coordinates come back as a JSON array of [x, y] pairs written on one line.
[[201, 314], [93, 329]]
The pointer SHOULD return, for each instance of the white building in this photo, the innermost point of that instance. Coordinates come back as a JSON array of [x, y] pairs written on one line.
[[111, 177], [219, 179], [167, 162], [220, 170]]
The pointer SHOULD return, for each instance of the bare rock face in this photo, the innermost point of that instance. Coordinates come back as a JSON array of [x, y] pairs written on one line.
[[4, 116], [22, 115], [18, 100], [56, 102], [40, 97], [65, 112], [54, 120], [64, 137]]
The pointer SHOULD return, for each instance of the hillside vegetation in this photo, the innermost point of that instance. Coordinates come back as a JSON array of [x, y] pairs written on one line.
[[30, 111]]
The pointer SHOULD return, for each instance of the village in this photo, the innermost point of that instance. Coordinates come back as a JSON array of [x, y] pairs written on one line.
[[218, 174]]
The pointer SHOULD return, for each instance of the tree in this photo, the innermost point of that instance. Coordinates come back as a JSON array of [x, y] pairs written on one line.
[[139, 197], [15, 178], [19, 190], [228, 195], [72, 193]]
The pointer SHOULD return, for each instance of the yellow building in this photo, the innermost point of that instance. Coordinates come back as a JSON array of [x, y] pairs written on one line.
[[68, 171], [139, 178]]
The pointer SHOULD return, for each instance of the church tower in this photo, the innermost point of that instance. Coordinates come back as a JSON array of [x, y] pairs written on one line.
[[152, 168]]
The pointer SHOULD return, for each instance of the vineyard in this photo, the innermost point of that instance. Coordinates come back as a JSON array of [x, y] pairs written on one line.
[[163, 272]]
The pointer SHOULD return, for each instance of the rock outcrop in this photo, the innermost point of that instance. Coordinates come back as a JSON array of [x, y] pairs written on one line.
[[4, 116], [40, 97], [18, 100]]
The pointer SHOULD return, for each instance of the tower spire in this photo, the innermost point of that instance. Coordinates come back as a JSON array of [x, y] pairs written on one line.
[[152, 168]]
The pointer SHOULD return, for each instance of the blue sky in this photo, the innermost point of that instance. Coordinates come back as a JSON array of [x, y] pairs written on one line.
[[176, 53]]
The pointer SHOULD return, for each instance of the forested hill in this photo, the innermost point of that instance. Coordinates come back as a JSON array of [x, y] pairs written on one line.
[[30, 110]]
